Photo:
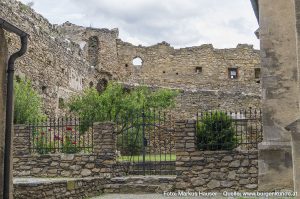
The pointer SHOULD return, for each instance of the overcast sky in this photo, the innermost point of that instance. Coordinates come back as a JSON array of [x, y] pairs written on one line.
[[182, 23]]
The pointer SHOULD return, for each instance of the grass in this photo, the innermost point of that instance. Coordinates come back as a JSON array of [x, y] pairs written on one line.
[[148, 158]]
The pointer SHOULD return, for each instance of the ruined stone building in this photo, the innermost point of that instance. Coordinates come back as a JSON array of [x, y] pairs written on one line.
[[62, 60]]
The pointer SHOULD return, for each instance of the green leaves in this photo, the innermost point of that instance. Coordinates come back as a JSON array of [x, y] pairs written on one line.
[[215, 132], [93, 106], [27, 103]]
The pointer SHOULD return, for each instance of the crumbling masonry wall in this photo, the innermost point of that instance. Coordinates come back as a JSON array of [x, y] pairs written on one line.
[[200, 67], [62, 60], [55, 65]]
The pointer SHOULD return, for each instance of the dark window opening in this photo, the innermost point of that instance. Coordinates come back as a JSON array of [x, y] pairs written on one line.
[[233, 73], [258, 81], [44, 88], [126, 65], [164, 71], [176, 73], [257, 73], [198, 70], [93, 50], [101, 85], [91, 84], [61, 103]]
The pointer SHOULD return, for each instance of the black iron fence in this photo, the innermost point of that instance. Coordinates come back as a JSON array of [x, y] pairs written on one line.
[[225, 130], [146, 143], [63, 135]]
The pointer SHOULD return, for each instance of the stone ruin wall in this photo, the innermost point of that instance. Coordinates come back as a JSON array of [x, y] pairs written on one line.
[[64, 59], [56, 66], [200, 67], [200, 73]]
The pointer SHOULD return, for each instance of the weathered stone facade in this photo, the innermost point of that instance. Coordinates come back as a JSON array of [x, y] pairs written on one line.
[[63, 60], [55, 65], [200, 67], [59, 188], [98, 163], [212, 170]]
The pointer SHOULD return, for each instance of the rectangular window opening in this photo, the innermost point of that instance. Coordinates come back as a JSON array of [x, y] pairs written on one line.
[[198, 70], [257, 73], [233, 73]]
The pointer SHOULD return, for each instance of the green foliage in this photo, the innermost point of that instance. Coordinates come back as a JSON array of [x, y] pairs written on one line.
[[69, 146], [130, 142], [27, 103], [115, 102], [41, 144], [215, 132]]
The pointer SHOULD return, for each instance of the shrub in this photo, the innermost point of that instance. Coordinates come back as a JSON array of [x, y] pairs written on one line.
[[215, 132], [27, 103]]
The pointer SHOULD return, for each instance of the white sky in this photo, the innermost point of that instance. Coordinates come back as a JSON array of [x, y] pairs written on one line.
[[182, 23]]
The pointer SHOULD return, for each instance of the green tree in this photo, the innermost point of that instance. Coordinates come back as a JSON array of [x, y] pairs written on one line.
[[116, 101], [215, 132], [27, 103]]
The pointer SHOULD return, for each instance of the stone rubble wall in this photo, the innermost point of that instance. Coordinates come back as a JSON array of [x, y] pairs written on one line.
[[212, 170], [55, 65], [62, 60], [98, 163], [59, 188], [165, 66]]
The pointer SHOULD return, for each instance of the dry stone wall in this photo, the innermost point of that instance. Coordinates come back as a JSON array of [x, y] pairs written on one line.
[[98, 163], [201, 67], [62, 60], [212, 170], [55, 65], [59, 188]]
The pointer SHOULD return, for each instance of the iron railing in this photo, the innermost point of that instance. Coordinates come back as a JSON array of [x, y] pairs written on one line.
[[225, 130], [63, 135], [146, 143]]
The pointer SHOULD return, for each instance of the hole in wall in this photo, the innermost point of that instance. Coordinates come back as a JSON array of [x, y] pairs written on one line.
[[137, 61], [44, 88], [176, 73], [101, 85], [257, 73], [126, 65], [164, 71], [198, 70], [93, 50], [61, 103], [91, 84], [232, 73]]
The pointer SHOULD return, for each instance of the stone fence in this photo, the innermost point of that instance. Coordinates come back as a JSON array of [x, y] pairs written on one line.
[[98, 163], [212, 170], [216, 171]]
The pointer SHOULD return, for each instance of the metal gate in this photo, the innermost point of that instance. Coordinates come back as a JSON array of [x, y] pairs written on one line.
[[146, 143]]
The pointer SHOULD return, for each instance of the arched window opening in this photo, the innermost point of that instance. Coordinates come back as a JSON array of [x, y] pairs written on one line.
[[137, 61], [93, 50], [101, 85]]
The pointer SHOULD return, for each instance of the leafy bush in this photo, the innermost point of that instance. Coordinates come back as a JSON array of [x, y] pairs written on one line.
[[130, 142], [215, 132], [118, 104], [115, 102], [27, 103]]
